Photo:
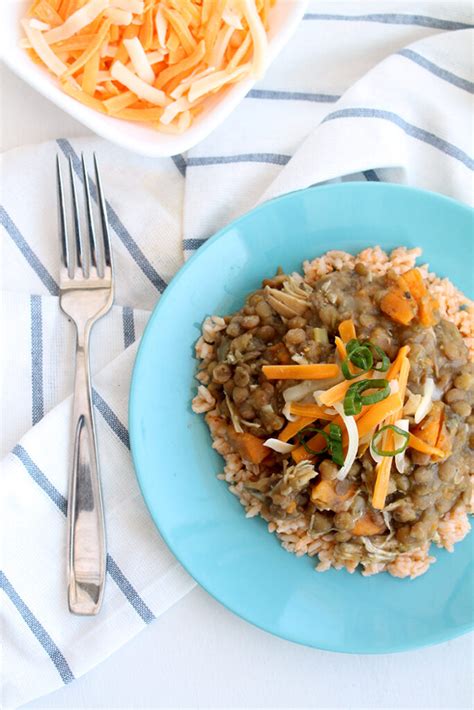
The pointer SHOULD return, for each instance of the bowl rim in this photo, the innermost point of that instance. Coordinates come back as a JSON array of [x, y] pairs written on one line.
[[436, 637]]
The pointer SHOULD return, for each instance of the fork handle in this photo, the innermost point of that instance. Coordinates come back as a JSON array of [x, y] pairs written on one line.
[[86, 529]]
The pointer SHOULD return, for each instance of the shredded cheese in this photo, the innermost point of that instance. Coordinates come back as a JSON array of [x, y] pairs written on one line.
[[154, 57], [135, 6], [286, 411], [297, 392], [216, 81], [175, 54], [426, 401], [137, 85], [280, 447], [119, 17], [77, 21], [400, 462], [161, 24], [173, 109], [43, 50], [259, 37], [139, 59], [353, 441], [402, 365], [38, 25]]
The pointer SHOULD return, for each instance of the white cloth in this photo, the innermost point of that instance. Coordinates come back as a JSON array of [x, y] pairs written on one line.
[[358, 95]]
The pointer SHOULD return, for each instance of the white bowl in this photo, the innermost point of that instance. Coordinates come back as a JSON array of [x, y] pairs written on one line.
[[140, 138]]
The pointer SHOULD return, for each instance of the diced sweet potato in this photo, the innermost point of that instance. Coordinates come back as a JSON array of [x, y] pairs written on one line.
[[399, 305], [324, 495], [427, 308], [249, 447], [412, 281], [367, 525], [428, 429], [415, 284]]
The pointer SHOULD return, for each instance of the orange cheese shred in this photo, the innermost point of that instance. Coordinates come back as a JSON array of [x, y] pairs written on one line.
[[189, 49]]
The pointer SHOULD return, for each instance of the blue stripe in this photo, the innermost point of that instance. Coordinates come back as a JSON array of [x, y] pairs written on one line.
[[37, 397], [411, 130], [127, 589], [117, 225], [371, 175], [20, 241], [111, 418], [128, 323], [273, 158], [292, 96], [180, 163], [38, 630], [38, 476], [438, 71], [191, 244], [391, 18]]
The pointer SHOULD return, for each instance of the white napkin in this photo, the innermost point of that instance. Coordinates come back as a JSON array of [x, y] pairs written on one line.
[[358, 95]]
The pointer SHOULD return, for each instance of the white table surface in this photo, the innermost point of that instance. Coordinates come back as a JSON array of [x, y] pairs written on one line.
[[200, 655]]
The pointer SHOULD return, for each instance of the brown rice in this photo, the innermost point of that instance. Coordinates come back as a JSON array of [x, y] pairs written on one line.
[[293, 534]]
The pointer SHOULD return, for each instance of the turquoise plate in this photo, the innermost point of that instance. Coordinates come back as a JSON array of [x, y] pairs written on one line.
[[235, 559]]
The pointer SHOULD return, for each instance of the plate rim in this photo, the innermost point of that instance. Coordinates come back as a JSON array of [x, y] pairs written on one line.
[[429, 640]]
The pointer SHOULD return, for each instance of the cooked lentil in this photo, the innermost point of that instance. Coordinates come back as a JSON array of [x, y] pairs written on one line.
[[277, 325]]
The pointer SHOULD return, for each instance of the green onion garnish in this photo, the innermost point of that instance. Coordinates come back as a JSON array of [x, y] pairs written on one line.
[[396, 430], [384, 363], [361, 354], [360, 361], [333, 442], [355, 400]]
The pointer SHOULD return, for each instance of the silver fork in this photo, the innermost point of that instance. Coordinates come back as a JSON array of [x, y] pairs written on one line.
[[86, 294]]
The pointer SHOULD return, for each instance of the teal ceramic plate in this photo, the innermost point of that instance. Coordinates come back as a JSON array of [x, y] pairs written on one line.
[[236, 559]]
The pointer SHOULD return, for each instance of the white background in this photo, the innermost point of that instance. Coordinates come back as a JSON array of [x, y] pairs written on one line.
[[198, 654]]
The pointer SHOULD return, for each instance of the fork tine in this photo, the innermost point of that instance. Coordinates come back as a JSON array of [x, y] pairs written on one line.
[[103, 214], [77, 222], [90, 218], [63, 235]]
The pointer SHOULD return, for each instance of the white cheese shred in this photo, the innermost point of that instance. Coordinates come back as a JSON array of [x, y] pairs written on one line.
[[353, 444], [426, 401], [281, 447], [399, 440], [139, 60], [259, 38], [139, 87], [43, 50], [77, 21]]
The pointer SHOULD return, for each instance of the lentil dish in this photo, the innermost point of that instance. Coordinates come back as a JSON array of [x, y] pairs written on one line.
[[341, 401]]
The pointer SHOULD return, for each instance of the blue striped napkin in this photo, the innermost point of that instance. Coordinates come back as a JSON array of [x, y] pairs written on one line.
[[356, 95]]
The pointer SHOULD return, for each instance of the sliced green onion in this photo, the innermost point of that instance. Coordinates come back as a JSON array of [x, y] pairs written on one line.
[[384, 363], [335, 432], [346, 372], [352, 402], [355, 400], [351, 345], [364, 365], [382, 388], [396, 430], [333, 442], [361, 355], [311, 430]]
